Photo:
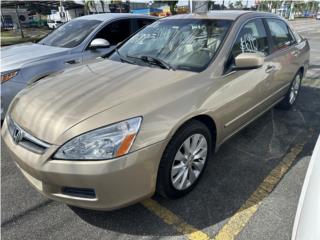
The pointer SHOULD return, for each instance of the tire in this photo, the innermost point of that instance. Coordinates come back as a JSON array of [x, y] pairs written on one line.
[[292, 94], [193, 132]]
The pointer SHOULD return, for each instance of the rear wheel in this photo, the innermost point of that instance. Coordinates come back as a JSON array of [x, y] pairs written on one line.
[[292, 94], [184, 160]]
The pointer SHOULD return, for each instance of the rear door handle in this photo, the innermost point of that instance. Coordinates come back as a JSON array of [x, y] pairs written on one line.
[[270, 68]]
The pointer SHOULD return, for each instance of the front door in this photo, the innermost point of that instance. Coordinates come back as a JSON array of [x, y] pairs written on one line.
[[247, 91], [115, 32]]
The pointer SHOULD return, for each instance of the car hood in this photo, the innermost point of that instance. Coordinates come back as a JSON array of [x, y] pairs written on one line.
[[52, 106], [15, 56]]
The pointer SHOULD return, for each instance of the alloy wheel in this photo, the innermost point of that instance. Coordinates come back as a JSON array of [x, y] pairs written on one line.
[[295, 89], [189, 161]]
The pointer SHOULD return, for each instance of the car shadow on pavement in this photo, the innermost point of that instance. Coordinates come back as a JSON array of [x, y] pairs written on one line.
[[233, 174]]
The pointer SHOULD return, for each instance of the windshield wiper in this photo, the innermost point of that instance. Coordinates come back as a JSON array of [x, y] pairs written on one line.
[[154, 60], [122, 59]]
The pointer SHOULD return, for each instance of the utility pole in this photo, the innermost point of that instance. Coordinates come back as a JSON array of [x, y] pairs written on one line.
[[19, 23], [291, 15], [201, 6], [2, 20], [191, 6]]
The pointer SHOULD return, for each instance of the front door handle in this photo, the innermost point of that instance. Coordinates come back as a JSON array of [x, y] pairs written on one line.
[[73, 61], [270, 68], [295, 53]]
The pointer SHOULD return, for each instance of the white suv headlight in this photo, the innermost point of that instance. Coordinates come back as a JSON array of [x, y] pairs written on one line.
[[108, 142]]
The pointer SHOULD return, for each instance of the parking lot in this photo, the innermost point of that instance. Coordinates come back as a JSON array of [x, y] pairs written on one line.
[[250, 189]]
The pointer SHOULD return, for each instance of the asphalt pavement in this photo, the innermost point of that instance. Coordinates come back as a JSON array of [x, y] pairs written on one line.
[[250, 190]]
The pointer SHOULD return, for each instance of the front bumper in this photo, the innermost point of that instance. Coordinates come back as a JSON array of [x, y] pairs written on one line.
[[116, 183]]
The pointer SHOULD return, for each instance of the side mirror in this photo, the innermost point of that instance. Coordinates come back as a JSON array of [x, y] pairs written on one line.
[[248, 61], [99, 43]]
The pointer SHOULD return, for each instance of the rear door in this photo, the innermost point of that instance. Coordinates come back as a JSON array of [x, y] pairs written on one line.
[[284, 54]]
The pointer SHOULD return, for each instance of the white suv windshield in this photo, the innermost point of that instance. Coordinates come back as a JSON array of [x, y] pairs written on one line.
[[187, 44]]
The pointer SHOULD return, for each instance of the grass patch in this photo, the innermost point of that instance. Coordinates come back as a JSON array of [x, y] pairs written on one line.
[[6, 41]]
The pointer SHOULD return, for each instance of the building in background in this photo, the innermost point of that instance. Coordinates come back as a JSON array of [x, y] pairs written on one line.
[[10, 17], [37, 13]]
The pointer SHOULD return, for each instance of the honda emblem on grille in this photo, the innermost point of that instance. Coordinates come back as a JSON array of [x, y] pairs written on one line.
[[17, 135]]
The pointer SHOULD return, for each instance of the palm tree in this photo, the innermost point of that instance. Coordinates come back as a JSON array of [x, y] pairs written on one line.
[[117, 2], [102, 5], [89, 4]]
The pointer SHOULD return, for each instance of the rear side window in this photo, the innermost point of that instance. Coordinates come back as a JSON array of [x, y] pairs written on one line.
[[251, 38], [280, 34]]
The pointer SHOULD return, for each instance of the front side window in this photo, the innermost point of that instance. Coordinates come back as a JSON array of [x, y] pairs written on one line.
[[251, 38], [143, 22], [186, 44], [281, 36], [70, 34], [116, 31]]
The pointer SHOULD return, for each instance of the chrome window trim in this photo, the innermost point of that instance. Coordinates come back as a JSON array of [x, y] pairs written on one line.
[[290, 32], [238, 32]]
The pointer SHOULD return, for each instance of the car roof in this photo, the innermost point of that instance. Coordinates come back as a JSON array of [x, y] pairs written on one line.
[[219, 14], [112, 16]]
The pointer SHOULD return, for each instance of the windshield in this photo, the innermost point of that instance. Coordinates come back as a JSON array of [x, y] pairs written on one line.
[[187, 44], [70, 34]]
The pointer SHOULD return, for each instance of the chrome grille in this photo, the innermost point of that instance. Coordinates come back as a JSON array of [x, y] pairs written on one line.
[[24, 139]]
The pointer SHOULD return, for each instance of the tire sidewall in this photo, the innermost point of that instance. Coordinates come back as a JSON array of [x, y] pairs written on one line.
[[164, 183], [299, 74], [285, 103]]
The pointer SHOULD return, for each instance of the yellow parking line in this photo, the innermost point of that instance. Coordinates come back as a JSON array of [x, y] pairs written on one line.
[[239, 220], [175, 221]]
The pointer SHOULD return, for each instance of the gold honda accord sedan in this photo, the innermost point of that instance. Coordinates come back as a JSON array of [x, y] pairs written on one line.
[[149, 117]]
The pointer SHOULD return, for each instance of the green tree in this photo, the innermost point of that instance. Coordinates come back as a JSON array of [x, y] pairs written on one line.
[[90, 4], [210, 4], [238, 4], [264, 5]]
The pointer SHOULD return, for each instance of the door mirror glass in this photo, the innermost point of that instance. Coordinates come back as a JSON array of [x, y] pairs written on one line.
[[249, 61], [99, 43]]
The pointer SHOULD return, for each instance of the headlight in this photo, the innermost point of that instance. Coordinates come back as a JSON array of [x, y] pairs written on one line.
[[9, 75], [104, 143]]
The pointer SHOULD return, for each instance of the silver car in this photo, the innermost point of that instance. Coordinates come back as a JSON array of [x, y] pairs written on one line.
[[76, 42]]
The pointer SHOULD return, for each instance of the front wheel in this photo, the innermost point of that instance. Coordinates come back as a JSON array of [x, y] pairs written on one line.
[[184, 160], [292, 94]]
